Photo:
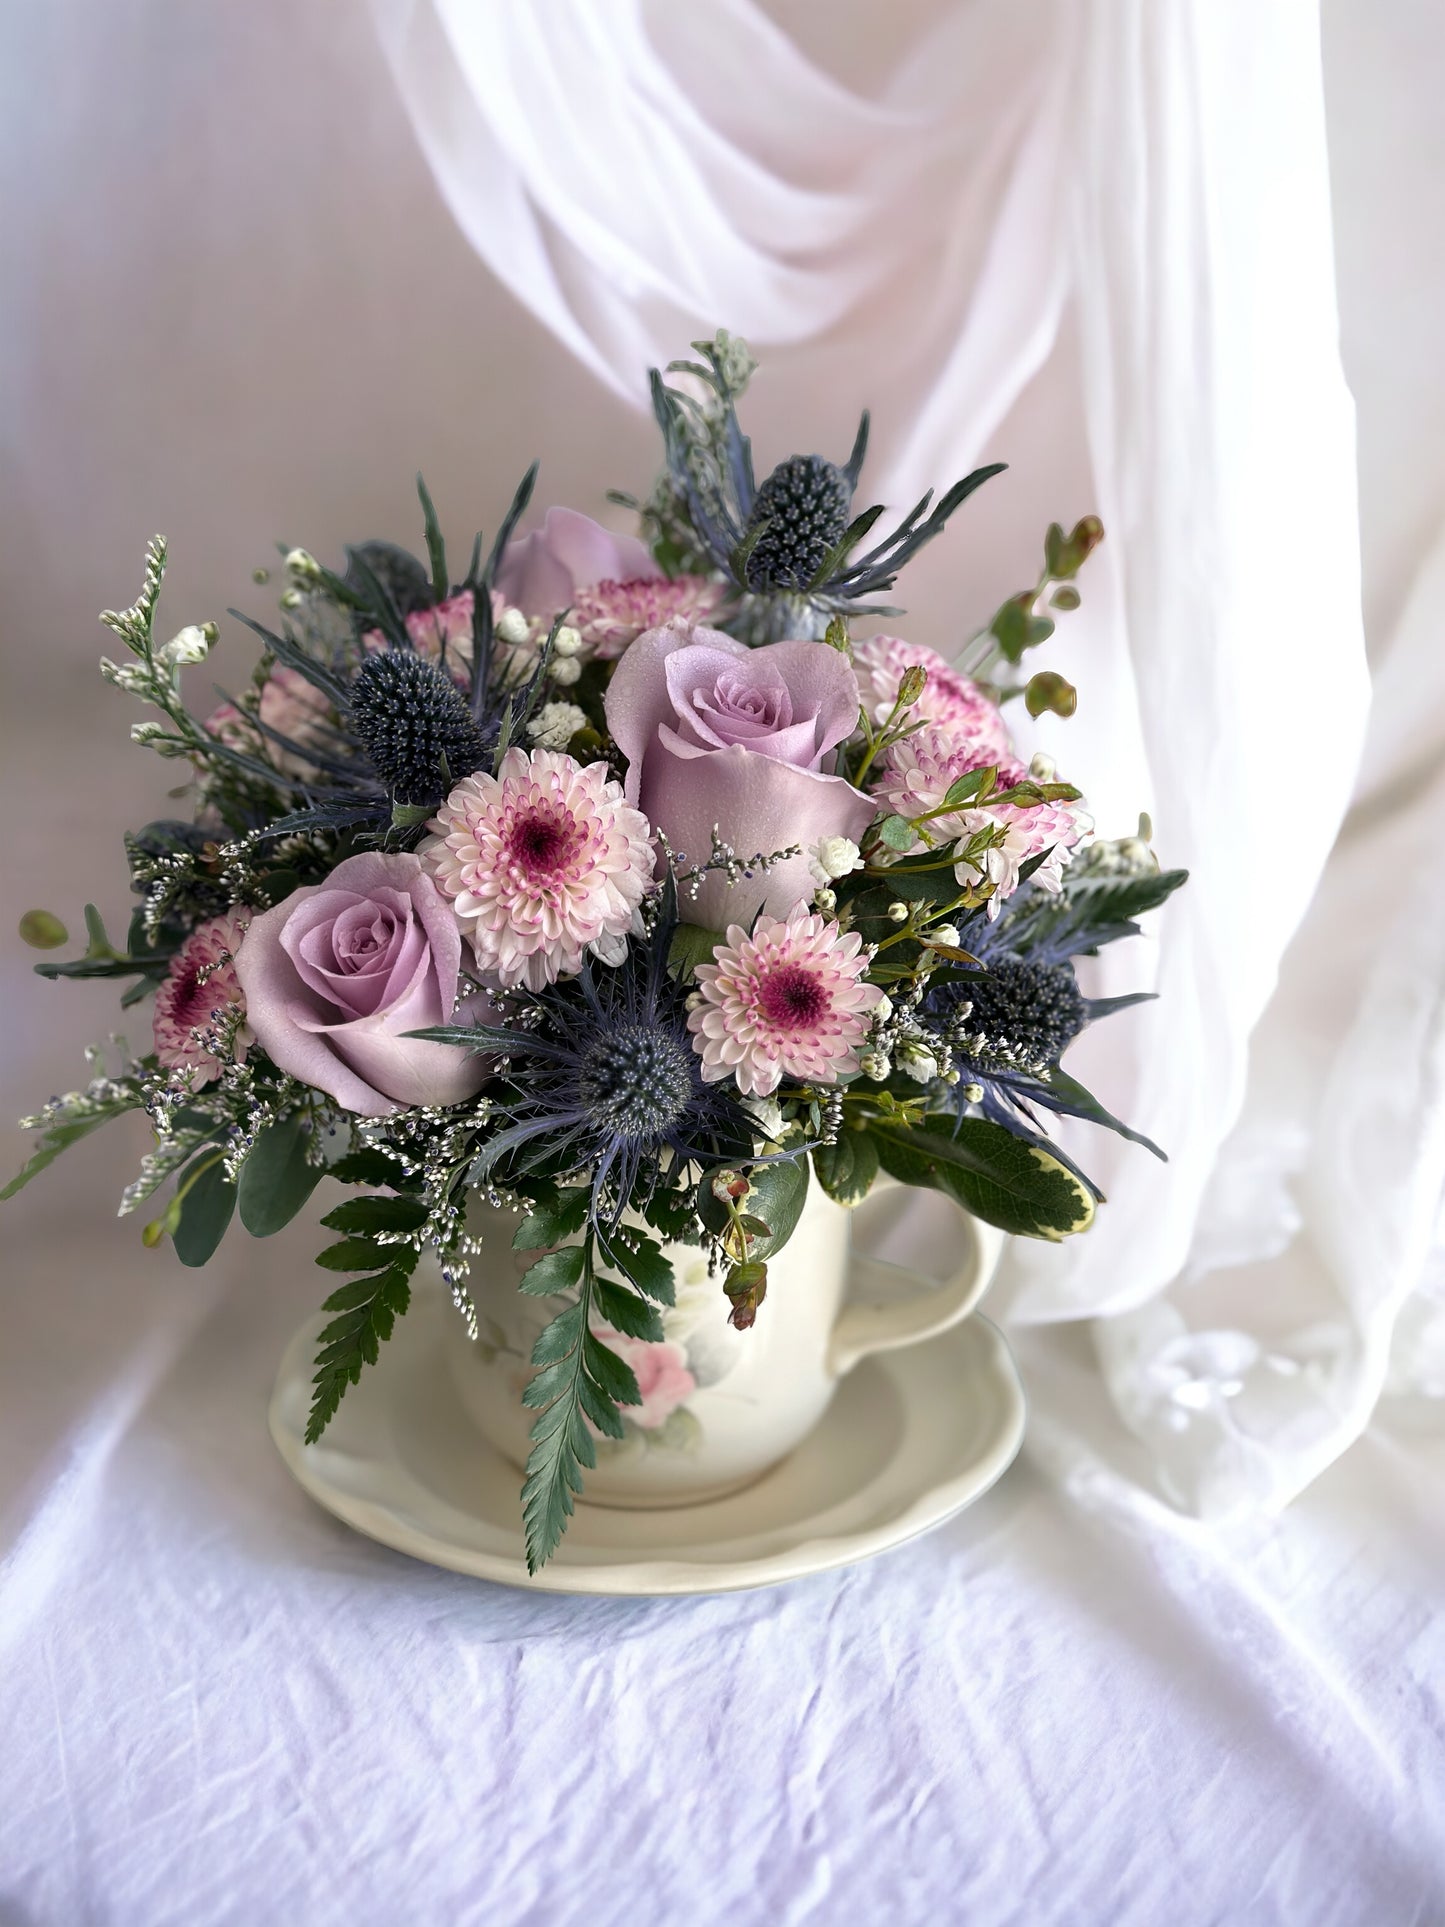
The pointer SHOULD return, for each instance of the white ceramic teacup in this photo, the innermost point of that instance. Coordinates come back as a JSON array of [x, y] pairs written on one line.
[[720, 1406]]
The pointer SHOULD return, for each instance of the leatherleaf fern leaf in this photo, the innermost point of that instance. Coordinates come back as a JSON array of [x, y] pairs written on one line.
[[576, 1379], [363, 1312]]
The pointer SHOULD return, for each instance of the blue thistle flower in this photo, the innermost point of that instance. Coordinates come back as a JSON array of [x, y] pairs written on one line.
[[604, 1078]]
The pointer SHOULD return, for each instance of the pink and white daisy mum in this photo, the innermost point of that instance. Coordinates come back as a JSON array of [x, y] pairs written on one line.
[[787, 1001], [543, 861], [915, 778], [881, 662], [610, 615], [200, 1006]]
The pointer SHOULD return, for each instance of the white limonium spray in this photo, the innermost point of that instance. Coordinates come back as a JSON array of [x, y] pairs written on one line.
[[189, 645], [555, 724]]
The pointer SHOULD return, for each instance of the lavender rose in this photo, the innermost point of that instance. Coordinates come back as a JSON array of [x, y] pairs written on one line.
[[337, 974], [542, 572], [715, 733]]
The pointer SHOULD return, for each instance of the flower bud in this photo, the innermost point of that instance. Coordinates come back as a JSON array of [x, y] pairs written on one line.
[[917, 1062], [912, 686], [566, 672], [875, 1066], [567, 641], [291, 599], [825, 901], [513, 627], [192, 644], [303, 565], [897, 912], [1043, 768], [973, 1093], [146, 732], [883, 1009], [945, 933]]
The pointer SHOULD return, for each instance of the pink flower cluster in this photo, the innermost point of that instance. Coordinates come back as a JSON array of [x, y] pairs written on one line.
[[200, 1002], [962, 731], [787, 1001], [291, 706], [541, 862]]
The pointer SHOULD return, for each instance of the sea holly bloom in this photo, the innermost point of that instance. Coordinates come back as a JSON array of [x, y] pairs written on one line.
[[787, 1001], [542, 862], [880, 664], [200, 1006]]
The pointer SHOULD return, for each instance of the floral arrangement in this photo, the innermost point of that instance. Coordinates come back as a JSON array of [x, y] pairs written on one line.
[[617, 880]]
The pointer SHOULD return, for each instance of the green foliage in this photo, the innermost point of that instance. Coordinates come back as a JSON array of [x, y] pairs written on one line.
[[365, 1311], [846, 1170], [207, 1199], [65, 1125], [691, 945], [1000, 1178], [576, 1379], [554, 1271], [554, 1217], [767, 1213], [277, 1178], [436, 548]]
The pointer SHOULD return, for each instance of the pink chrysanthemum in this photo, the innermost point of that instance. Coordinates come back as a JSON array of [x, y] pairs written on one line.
[[200, 1004], [787, 1001], [881, 662], [916, 777], [543, 861], [610, 615]]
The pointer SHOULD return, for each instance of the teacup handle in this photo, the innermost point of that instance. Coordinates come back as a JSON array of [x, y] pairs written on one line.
[[861, 1329]]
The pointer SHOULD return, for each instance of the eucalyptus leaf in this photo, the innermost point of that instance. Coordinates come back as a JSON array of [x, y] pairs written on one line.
[[276, 1179], [205, 1212]]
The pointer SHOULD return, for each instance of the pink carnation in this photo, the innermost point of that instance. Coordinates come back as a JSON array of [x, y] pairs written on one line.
[[918, 773], [610, 615], [881, 662], [541, 862], [291, 706], [201, 1002], [787, 1001]]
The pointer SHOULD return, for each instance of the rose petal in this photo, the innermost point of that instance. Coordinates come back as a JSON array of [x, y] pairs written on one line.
[[758, 805]]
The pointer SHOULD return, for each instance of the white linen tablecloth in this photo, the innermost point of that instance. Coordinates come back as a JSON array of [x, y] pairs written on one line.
[[1067, 1705]]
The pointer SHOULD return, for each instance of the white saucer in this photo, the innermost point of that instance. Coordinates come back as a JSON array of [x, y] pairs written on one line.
[[912, 1437]]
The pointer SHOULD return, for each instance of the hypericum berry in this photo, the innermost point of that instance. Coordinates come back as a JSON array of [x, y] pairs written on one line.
[[415, 726], [804, 504]]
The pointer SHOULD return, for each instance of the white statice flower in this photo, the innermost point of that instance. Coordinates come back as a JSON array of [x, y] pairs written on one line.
[[833, 857], [567, 642], [191, 644], [555, 724]]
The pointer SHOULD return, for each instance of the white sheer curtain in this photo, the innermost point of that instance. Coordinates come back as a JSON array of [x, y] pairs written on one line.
[[1115, 212]]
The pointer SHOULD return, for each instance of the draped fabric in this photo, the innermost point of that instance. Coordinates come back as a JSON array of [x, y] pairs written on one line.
[[1110, 219]]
